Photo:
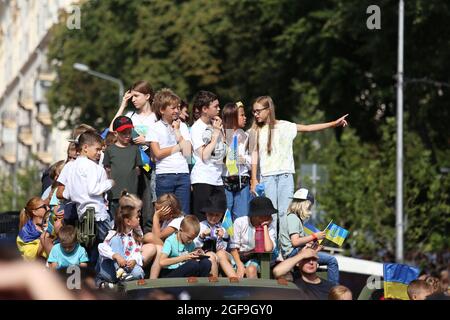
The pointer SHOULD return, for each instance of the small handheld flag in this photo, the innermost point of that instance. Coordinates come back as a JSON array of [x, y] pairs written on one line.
[[336, 234], [227, 223], [147, 163], [310, 229], [397, 278], [232, 156]]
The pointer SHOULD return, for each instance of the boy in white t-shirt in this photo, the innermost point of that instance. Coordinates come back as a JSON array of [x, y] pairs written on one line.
[[87, 182], [171, 144], [209, 151]]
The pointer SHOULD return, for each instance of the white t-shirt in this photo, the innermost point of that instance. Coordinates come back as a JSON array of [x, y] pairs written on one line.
[[243, 237], [63, 178], [164, 134], [174, 223], [281, 159], [142, 123], [204, 171], [86, 182]]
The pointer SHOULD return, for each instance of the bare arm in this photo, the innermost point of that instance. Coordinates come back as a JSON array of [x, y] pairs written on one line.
[[341, 122], [287, 265], [165, 261], [205, 152], [165, 152], [122, 107], [60, 191], [254, 178]]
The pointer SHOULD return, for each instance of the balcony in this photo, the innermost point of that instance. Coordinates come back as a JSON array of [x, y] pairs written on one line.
[[27, 104], [9, 121], [44, 157], [8, 152], [47, 76], [45, 118], [26, 136]]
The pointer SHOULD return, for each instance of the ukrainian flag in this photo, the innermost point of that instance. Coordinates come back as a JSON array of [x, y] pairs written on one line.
[[232, 156], [336, 234], [147, 163], [397, 278], [227, 223], [310, 229]]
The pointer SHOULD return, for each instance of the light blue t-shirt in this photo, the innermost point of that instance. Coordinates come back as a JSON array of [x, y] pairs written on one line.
[[173, 248], [63, 259]]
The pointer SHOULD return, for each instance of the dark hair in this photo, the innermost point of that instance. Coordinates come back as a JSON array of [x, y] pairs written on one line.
[[144, 87], [110, 139], [67, 235], [163, 99], [90, 138], [230, 115], [203, 99], [82, 128]]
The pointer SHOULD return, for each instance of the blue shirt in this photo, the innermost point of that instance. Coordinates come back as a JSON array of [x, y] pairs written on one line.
[[64, 259], [173, 248]]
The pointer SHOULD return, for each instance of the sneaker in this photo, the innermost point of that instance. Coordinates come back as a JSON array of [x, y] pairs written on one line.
[[107, 285], [127, 277], [120, 272]]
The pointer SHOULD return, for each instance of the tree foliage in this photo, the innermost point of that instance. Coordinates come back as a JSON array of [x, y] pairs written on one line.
[[318, 60]]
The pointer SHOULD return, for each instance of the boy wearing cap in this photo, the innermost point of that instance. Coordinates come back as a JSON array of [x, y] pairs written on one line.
[[293, 237], [122, 160], [213, 238], [243, 244]]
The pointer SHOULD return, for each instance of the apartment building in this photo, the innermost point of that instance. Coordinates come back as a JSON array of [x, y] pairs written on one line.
[[28, 135]]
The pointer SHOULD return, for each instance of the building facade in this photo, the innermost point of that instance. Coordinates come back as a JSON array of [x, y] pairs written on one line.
[[28, 135]]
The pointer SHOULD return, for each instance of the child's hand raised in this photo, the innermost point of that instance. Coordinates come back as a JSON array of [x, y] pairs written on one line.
[[163, 212], [341, 122]]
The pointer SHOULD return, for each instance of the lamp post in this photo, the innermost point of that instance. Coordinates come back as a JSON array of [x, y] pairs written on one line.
[[399, 189], [84, 68]]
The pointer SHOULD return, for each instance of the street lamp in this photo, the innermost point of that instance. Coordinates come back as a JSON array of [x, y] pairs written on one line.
[[84, 68]]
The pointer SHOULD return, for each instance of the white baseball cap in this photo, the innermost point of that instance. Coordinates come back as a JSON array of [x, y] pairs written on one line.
[[303, 194]]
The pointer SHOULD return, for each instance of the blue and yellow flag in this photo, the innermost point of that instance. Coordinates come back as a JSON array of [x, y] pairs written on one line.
[[310, 229], [227, 223], [232, 157], [336, 234], [147, 163], [397, 278]]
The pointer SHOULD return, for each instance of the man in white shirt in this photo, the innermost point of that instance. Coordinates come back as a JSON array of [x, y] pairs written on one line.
[[206, 137], [171, 145]]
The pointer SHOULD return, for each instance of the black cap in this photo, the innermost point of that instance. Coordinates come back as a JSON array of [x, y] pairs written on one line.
[[216, 203], [261, 206], [121, 123]]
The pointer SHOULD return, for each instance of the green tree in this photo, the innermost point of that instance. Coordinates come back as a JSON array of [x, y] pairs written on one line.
[[28, 183]]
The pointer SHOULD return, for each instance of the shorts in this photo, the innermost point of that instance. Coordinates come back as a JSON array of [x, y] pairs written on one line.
[[250, 262]]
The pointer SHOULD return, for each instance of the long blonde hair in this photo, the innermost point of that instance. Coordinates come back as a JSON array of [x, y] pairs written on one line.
[[27, 212], [266, 102], [302, 208]]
